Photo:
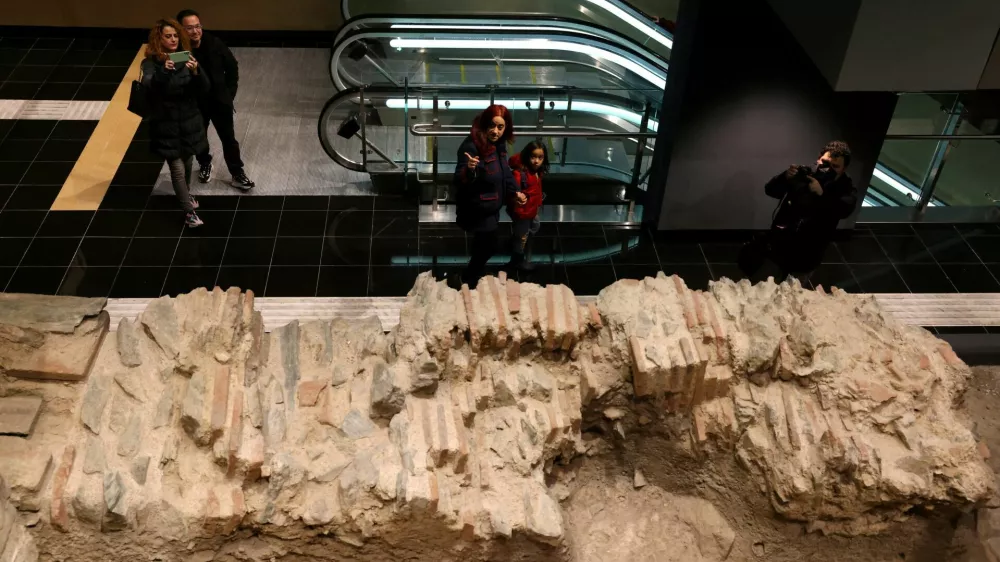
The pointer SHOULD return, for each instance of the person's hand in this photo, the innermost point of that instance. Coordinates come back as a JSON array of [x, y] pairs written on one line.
[[169, 64], [473, 161], [522, 199], [192, 64], [792, 170], [815, 187]]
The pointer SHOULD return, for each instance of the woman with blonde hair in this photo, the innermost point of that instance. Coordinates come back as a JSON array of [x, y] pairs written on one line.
[[176, 129]]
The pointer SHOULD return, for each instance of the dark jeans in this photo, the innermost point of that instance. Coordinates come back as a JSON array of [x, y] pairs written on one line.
[[222, 117], [484, 245]]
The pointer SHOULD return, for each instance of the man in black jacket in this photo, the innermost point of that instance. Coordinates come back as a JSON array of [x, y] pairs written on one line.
[[218, 62], [813, 200]]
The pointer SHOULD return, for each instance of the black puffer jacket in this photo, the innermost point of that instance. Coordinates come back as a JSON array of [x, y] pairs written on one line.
[[176, 129], [217, 61], [482, 191]]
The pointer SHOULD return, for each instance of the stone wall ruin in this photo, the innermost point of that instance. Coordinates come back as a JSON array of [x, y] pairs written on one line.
[[196, 433]]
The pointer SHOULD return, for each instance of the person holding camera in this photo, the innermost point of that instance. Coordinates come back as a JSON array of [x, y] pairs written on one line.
[[814, 199], [173, 83]]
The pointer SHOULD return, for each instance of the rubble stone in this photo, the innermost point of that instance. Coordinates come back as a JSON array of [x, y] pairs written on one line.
[[18, 414], [128, 340]]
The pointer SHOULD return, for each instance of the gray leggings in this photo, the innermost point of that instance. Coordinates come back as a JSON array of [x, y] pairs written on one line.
[[180, 176]]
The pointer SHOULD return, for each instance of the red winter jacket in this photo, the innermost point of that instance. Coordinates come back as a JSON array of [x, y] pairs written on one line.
[[528, 183]]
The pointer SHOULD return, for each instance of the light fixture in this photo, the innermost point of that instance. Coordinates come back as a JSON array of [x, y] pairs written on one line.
[[655, 78], [578, 105], [645, 28]]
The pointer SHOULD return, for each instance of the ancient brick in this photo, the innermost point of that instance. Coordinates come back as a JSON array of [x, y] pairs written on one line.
[[62, 356], [595, 316], [18, 414], [461, 396], [536, 317], [819, 289], [699, 309], [513, 296], [558, 422], [569, 308], [462, 456], [220, 401], [483, 387], [723, 381], [700, 424], [58, 515], [335, 404], [925, 361], [502, 276], [948, 354], [501, 338], [834, 290], [550, 317], [984, 451], [239, 509], [470, 314], [641, 377], [309, 392], [235, 430], [792, 418]]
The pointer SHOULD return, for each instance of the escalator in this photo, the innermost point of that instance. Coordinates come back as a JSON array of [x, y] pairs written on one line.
[[588, 83]]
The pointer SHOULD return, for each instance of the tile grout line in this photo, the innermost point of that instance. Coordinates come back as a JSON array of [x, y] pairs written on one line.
[[322, 245], [274, 245], [981, 261], [371, 242], [891, 262], [229, 234], [47, 211], [77, 251]]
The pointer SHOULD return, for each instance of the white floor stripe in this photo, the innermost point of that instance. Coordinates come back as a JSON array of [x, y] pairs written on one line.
[[973, 309], [66, 110]]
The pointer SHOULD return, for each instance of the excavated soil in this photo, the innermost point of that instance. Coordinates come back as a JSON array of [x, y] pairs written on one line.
[[608, 519]]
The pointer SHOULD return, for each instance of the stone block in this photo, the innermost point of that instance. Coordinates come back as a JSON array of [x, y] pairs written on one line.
[[165, 408], [116, 514], [94, 401], [160, 322], [25, 471], [129, 440], [334, 405], [170, 446], [88, 500], [121, 407], [131, 381], [356, 425], [642, 375], [388, 393], [513, 296], [18, 414], [129, 340], [50, 355], [327, 466], [93, 457], [139, 469], [543, 520]]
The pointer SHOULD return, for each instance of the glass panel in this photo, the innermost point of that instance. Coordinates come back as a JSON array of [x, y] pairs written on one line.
[[921, 114], [969, 174]]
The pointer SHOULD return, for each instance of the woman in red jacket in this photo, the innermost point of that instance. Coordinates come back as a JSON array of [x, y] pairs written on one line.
[[528, 167]]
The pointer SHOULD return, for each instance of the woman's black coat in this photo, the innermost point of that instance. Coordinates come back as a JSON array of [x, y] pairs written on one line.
[[176, 127]]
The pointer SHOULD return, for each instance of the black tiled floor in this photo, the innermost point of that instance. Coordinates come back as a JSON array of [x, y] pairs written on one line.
[[50, 252], [249, 251], [878, 278], [47, 173], [343, 281], [185, 279], [390, 281], [204, 252], [925, 278], [971, 278], [862, 249], [834, 274], [253, 278], [589, 279], [102, 252], [40, 280], [20, 223], [114, 223], [88, 281], [12, 250], [159, 224], [302, 223], [256, 223], [696, 276], [137, 282], [151, 252], [33, 197], [292, 281], [66, 223]]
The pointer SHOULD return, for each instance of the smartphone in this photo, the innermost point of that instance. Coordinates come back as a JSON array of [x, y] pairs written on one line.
[[180, 57]]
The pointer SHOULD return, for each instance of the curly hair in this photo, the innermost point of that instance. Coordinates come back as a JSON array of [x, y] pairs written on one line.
[[154, 48], [838, 148], [483, 122]]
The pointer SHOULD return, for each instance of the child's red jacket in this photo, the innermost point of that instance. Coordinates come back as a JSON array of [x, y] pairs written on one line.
[[528, 183]]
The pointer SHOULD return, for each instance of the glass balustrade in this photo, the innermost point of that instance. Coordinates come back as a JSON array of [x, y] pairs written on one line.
[[937, 153], [615, 15], [600, 143]]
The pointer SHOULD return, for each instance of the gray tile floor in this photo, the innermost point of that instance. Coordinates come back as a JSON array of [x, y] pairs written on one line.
[[281, 95]]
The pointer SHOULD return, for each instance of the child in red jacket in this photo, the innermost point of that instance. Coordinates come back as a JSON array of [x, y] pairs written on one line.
[[528, 167]]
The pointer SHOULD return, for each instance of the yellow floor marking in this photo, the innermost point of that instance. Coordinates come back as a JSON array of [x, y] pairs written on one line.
[[94, 169], [498, 74], [533, 78], [461, 68]]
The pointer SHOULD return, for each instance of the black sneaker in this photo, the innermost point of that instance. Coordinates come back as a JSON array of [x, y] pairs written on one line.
[[205, 173], [242, 182]]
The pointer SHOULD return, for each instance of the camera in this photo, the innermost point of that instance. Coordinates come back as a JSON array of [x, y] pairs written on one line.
[[823, 173]]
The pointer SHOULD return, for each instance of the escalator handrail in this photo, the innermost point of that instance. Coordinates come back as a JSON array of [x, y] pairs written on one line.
[[571, 25], [371, 91], [618, 50], [554, 131], [624, 6]]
